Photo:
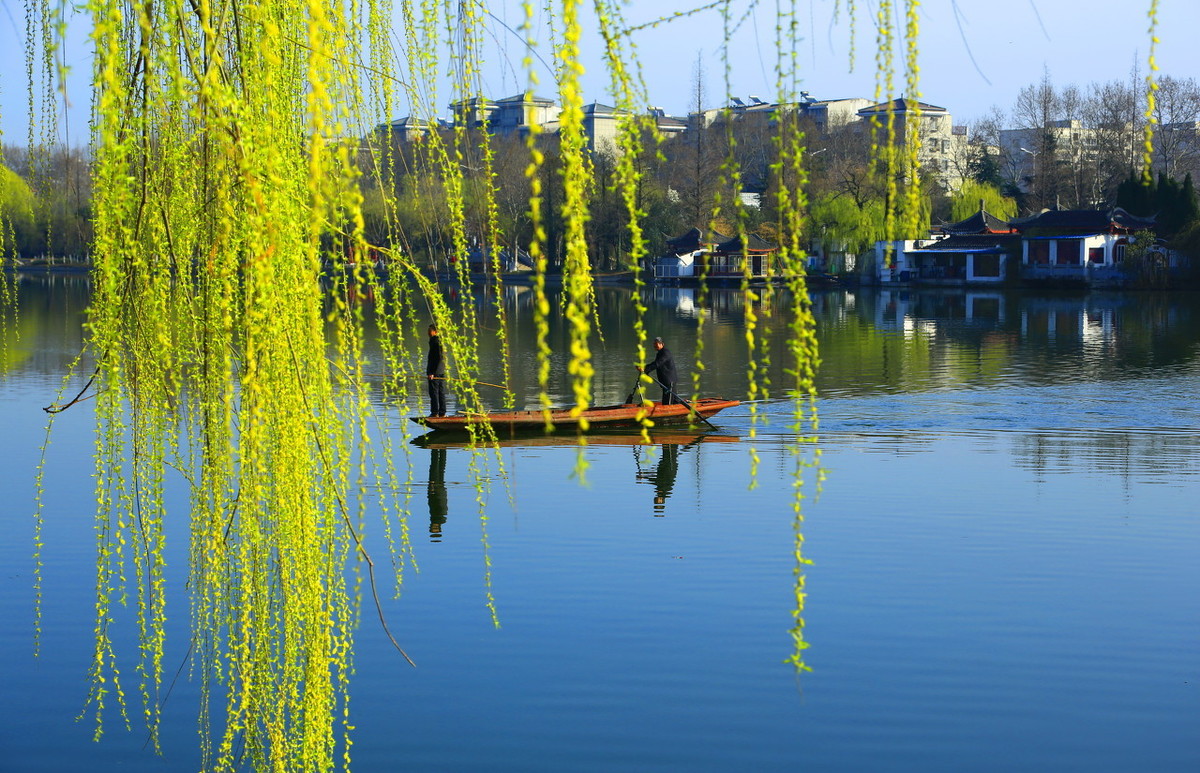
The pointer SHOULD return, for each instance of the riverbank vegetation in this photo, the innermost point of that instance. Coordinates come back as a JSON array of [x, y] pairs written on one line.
[[407, 201]]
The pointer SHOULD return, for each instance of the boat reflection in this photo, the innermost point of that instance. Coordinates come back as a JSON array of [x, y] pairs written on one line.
[[687, 437], [655, 456]]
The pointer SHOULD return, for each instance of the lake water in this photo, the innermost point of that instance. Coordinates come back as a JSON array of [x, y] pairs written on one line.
[[1004, 549]]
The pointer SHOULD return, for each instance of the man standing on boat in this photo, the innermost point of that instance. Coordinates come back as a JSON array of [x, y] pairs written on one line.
[[664, 366], [435, 371]]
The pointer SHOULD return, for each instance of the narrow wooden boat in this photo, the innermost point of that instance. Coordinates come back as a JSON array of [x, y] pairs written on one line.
[[624, 415]]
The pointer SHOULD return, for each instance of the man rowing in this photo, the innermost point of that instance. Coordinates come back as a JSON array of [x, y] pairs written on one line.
[[663, 366]]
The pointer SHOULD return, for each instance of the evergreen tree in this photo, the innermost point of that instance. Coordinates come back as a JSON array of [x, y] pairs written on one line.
[[1134, 196], [1189, 208], [1169, 204], [984, 168]]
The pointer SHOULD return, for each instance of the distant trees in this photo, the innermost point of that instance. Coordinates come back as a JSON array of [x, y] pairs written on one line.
[[1111, 125], [1061, 147], [1172, 204], [1177, 112], [1038, 106], [16, 212], [1177, 222], [841, 222], [1069, 148], [47, 201], [694, 159], [848, 194], [972, 196]]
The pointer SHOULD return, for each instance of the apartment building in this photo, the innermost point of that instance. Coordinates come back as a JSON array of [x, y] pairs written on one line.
[[941, 142]]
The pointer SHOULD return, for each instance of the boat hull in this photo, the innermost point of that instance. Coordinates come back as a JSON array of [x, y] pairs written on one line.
[[611, 416]]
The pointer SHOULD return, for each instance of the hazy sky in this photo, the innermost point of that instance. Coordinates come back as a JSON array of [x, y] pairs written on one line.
[[974, 53]]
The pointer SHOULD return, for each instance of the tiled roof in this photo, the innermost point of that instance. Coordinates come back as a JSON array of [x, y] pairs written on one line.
[[527, 97], [900, 106], [694, 240], [753, 244], [473, 102], [970, 243], [598, 108], [980, 222], [1080, 220], [410, 121]]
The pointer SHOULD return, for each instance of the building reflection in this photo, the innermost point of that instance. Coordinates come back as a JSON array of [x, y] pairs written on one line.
[[908, 340], [724, 305], [1165, 455]]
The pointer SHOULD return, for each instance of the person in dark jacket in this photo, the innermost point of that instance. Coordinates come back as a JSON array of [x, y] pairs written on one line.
[[435, 371], [664, 368]]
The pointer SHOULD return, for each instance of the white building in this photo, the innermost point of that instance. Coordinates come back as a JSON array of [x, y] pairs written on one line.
[[939, 142]]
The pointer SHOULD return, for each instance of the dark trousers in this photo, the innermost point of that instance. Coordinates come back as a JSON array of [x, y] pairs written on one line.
[[668, 397], [437, 397]]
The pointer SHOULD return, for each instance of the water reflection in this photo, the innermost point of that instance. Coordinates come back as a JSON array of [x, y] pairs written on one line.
[[655, 460], [663, 475], [49, 331], [1158, 454], [904, 341], [898, 341], [871, 340], [725, 306], [679, 300], [954, 387], [439, 505]]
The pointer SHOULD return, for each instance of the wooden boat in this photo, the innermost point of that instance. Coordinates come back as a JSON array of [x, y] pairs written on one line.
[[624, 415]]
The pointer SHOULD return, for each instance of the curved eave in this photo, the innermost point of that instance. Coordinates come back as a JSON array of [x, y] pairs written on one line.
[[959, 251], [1072, 236]]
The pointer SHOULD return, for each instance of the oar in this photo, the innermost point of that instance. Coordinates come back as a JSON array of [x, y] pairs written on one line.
[[637, 387], [684, 403]]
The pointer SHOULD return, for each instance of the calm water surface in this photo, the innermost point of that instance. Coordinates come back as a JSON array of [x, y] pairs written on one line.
[[1004, 568]]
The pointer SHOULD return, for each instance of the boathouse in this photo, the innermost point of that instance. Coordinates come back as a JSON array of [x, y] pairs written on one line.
[[1081, 246], [973, 251]]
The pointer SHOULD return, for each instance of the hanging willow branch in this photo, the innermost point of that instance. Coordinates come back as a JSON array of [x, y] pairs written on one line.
[[78, 398]]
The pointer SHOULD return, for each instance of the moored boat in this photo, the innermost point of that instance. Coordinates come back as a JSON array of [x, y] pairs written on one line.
[[623, 415]]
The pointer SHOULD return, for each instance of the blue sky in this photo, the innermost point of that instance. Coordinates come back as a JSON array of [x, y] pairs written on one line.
[[974, 53]]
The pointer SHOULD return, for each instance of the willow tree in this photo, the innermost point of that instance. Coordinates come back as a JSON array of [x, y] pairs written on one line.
[[229, 238]]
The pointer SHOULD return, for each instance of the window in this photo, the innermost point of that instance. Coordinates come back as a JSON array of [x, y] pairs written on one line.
[[985, 308], [987, 265], [1039, 252], [1095, 255], [1068, 252]]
